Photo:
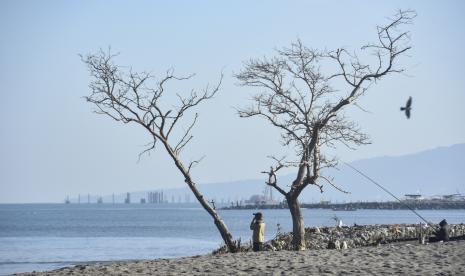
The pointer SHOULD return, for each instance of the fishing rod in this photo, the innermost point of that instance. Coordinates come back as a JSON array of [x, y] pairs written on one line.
[[384, 189]]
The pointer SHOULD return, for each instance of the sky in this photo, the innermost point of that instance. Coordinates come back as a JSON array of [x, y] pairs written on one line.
[[53, 145]]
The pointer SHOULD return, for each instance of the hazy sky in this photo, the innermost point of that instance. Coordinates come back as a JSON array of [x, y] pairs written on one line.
[[51, 144]]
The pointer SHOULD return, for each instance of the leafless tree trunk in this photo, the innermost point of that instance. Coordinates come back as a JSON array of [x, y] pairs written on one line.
[[299, 99], [137, 98], [298, 225]]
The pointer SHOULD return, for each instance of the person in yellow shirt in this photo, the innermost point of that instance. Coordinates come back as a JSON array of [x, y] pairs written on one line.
[[258, 227]]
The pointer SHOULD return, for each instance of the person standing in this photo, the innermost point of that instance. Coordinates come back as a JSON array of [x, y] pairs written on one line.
[[258, 227]]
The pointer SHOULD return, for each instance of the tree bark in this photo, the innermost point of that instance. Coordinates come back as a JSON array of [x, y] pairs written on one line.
[[298, 225], [225, 234]]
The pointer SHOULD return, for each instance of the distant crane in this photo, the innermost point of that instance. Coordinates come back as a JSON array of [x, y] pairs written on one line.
[[268, 193]]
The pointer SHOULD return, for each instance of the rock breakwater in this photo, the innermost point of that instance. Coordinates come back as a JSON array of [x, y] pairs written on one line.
[[354, 236]]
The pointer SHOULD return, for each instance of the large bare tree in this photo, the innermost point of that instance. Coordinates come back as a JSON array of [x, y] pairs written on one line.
[[299, 97], [141, 99]]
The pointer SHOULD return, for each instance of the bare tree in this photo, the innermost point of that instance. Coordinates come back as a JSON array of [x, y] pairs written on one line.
[[299, 98], [139, 98]]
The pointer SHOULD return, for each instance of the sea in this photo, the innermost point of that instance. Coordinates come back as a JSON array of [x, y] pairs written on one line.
[[38, 237]]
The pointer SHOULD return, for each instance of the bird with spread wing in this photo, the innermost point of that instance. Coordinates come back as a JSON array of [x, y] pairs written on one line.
[[407, 108]]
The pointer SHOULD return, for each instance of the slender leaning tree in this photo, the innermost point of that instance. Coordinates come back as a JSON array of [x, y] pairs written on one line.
[[299, 98], [138, 98]]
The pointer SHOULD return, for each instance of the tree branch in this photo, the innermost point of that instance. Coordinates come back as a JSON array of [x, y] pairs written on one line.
[[298, 97]]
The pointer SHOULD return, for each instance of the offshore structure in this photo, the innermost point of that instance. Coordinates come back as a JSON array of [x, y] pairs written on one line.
[[266, 198], [127, 200], [156, 197], [151, 197]]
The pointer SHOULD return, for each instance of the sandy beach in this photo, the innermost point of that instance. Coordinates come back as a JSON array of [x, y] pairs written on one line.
[[401, 258]]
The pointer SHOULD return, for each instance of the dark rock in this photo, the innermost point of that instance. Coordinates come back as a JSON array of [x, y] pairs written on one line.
[[351, 237]]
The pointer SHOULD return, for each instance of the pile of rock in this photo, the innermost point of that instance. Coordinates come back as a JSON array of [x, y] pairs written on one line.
[[353, 236], [359, 236]]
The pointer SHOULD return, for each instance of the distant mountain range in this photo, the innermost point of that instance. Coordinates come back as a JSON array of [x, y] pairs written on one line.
[[433, 172]]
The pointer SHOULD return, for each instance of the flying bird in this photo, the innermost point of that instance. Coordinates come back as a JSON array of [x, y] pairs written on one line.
[[407, 108]]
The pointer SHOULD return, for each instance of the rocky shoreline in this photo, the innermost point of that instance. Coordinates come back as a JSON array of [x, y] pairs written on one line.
[[354, 236]]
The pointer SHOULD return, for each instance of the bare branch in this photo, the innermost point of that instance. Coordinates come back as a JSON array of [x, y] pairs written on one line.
[[186, 137], [191, 101], [151, 147], [298, 97], [361, 108], [272, 178], [192, 164], [330, 182], [132, 97]]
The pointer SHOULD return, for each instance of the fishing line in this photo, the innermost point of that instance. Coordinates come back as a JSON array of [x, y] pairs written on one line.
[[384, 189]]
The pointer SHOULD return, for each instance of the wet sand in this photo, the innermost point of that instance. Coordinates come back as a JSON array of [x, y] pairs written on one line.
[[402, 258]]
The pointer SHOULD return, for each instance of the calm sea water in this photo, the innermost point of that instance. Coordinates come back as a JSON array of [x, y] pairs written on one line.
[[48, 236]]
